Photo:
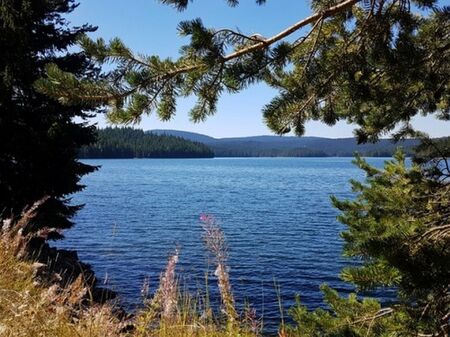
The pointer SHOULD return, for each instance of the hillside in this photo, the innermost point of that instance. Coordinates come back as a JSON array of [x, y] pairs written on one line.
[[276, 146], [132, 143]]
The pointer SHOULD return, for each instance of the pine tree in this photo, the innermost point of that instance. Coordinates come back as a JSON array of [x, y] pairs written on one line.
[[398, 226], [39, 139]]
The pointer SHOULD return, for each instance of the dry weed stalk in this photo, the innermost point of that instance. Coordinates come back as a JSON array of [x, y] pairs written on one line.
[[252, 321], [214, 240], [166, 296], [17, 230]]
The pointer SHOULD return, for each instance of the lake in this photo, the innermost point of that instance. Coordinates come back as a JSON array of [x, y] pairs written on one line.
[[276, 214]]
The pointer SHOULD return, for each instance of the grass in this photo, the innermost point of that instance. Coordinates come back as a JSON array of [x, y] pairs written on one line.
[[28, 308]]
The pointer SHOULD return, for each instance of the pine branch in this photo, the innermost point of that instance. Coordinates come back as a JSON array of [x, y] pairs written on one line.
[[372, 81], [265, 43], [117, 51], [378, 314], [343, 6]]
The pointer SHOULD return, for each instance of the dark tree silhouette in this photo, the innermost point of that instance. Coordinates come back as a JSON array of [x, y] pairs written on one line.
[[39, 139]]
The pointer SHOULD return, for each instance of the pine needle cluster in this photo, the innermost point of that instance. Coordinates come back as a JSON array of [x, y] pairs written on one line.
[[372, 63]]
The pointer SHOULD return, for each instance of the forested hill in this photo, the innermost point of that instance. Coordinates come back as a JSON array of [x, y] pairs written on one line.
[[276, 146], [132, 143]]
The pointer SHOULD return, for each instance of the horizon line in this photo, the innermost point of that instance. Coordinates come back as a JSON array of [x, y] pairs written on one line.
[[258, 135]]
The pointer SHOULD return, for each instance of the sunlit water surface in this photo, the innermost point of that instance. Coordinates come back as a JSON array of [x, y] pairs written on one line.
[[275, 212]]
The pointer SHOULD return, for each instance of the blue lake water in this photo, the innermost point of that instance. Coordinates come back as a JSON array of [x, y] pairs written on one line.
[[275, 212]]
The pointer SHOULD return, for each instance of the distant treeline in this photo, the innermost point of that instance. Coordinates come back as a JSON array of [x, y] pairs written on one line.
[[262, 151], [134, 143], [131, 143], [255, 151], [300, 152], [288, 146]]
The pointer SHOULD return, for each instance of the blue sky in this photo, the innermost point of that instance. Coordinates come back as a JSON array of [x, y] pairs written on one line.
[[149, 27]]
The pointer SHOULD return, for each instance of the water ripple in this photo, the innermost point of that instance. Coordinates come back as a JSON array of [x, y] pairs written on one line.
[[276, 214]]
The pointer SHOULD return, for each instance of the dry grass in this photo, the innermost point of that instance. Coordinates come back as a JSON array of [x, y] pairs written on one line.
[[29, 309], [173, 312]]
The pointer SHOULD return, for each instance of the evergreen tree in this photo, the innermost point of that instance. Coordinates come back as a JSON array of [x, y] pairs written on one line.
[[39, 139], [399, 227]]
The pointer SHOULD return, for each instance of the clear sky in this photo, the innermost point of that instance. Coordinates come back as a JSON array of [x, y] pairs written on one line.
[[149, 27]]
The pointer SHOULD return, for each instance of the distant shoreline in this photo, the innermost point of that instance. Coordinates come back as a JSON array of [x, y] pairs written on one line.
[[247, 157], [128, 143]]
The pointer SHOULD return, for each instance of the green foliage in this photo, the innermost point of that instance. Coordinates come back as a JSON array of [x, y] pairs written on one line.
[[39, 140], [349, 317], [389, 225], [398, 226], [433, 156], [132, 143], [373, 63]]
